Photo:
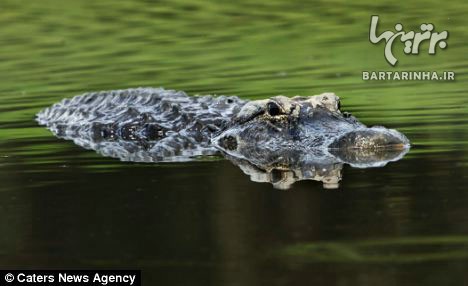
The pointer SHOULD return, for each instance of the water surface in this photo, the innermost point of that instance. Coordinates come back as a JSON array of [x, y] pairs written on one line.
[[205, 222]]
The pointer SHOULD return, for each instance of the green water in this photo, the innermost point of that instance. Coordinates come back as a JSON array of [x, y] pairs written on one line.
[[206, 223]]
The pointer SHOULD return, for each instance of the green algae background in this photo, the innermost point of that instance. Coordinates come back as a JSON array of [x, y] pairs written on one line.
[[61, 205]]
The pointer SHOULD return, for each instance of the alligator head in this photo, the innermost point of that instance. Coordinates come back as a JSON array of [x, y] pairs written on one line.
[[267, 131]]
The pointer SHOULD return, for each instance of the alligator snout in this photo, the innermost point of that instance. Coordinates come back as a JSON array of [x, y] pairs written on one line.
[[371, 138]]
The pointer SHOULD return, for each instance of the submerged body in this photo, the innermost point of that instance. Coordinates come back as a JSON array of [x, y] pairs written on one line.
[[142, 124], [154, 124]]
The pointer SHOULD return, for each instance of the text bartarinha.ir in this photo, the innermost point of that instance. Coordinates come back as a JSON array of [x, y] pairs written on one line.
[[409, 75]]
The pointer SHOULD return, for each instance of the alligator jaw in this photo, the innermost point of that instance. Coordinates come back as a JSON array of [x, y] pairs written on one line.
[[370, 147], [371, 138]]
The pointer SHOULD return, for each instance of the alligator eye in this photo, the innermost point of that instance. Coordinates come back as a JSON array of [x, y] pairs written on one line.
[[273, 109]]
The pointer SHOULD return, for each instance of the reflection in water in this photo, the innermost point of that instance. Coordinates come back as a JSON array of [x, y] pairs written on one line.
[[283, 178], [291, 167]]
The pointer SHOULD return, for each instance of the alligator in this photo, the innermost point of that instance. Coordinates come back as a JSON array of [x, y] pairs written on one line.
[[280, 134]]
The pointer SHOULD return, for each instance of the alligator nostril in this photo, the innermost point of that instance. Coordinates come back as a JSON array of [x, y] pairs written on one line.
[[228, 142]]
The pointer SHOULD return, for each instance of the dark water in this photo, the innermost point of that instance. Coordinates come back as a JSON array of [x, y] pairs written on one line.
[[205, 222]]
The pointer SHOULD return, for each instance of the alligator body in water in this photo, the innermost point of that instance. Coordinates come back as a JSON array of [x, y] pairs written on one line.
[[299, 135]]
